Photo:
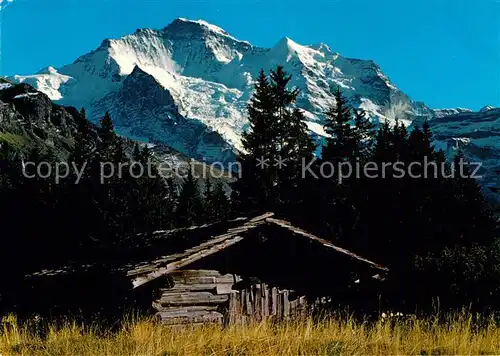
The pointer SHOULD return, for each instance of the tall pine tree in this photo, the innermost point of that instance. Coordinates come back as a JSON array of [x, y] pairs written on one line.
[[217, 203], [254, 191], [275, 145], [190, 204], [341, 143]]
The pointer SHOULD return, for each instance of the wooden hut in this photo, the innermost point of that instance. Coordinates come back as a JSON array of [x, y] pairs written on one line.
[[247, 270]]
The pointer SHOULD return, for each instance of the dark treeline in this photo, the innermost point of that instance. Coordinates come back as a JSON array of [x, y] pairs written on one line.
[[86, 220], [436, 233]]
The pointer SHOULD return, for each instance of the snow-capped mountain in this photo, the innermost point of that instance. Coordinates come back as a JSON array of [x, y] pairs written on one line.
[[476, 134], [188, 85], [30, 121]]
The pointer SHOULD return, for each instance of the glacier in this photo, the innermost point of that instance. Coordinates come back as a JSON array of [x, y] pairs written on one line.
[[188, 85]]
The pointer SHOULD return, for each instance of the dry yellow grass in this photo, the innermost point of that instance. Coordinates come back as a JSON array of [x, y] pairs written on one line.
[[336, 336]]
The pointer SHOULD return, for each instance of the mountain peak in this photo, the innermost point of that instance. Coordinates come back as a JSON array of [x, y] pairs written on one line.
[[105, 44], [183, 25], [287, 49], [287, 45], [48, 70], [284, 41], [204, 24], [487, 108]]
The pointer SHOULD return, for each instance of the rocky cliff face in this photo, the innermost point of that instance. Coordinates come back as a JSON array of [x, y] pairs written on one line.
[[31, 122], [29, 119], [477, 135]]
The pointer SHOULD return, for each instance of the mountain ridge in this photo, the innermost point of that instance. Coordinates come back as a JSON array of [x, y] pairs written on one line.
[[187, 86], [209, 74]]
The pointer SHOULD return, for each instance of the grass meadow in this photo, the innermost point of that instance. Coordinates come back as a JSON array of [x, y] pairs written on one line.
[[455, 334]]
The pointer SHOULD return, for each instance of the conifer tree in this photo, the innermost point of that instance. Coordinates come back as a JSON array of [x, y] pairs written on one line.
[[471, 208], [342, 145], [427, 138], [283, 98], [190, 205], [294, 145], [342, 139], [260, 139], [85, 141], [276, 134], [77, 199], [208, 196], [383, 150], [363, 133], [217, 203], [149, 192], [297, 151], [278, 130], [172, 194], [255, 189], [112, 197], [107, 133], [399, 141]]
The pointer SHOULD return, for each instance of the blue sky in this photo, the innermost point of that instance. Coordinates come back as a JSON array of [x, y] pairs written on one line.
[[443, 52]]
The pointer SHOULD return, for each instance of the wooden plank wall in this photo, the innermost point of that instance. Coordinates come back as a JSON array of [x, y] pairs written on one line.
[[260, 303], [202, 296], [198, 296]]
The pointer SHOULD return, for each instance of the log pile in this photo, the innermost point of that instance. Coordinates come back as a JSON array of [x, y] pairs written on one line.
[[197, 297]]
